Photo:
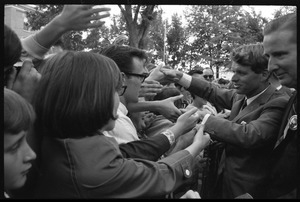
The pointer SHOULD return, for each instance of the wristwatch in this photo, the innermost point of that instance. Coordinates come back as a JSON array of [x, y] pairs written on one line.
[[170, 135]]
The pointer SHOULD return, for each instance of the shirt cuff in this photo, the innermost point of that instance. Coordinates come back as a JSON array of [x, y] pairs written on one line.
[[32, 47], [170, 135], [185, 80]]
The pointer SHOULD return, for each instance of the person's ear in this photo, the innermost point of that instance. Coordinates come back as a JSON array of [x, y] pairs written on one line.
[[123, 78], [265, 75]]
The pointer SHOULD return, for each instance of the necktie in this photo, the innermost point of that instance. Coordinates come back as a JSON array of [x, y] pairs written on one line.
[[244, 104]]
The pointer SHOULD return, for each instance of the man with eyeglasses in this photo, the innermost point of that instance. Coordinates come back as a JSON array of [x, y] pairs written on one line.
[[208, 74], [131, 62]]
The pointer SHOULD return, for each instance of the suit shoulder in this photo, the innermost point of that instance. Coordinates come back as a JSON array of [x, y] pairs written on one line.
[[280, 95], [279, 98]]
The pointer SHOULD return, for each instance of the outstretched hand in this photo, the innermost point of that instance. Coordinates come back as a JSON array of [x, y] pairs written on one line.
[[168, 109], [80, 17], [183, 141], [157, 75], [202, 138], [149, 89], [188, 120], [171, 75]]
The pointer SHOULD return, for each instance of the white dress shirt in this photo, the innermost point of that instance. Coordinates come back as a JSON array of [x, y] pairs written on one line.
[[124, 130]]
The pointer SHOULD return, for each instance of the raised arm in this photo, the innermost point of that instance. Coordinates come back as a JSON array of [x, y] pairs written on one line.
[[72, 17]]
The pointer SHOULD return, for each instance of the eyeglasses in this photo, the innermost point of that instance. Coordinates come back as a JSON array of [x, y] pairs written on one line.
[[122, 90], [208, 76], [141, 76]]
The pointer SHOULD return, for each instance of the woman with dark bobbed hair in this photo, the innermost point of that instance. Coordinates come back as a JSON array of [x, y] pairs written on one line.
[[76, 100]]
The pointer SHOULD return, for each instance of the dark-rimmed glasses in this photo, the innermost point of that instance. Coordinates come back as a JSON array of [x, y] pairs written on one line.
[[208, 76], [142, 77], [122, 90]]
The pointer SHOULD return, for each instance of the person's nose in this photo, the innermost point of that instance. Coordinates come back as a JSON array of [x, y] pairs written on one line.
[[272, 65], [29, 154], [234, 78]]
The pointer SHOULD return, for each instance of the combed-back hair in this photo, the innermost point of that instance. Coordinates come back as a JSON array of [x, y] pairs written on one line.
[[18, 113], [251, 55], [122, 55], [12, 47], [286, 22], [75, 96]]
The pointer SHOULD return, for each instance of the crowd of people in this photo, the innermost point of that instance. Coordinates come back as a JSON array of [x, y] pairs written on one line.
[[109, 124]]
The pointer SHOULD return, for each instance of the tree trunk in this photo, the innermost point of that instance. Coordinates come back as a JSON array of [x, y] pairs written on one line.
[[138, 32]]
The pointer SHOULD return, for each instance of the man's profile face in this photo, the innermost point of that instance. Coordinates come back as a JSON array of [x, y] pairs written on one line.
[[281, 49], [246, 81], [134, 83]]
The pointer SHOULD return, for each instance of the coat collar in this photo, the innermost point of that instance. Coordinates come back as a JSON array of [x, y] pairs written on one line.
[[260, 100]]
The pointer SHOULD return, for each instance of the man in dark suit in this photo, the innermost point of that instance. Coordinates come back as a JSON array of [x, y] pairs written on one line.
[[280, 47], [250, 132]]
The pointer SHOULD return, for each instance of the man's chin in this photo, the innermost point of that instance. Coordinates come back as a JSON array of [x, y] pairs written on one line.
[[287, 83]]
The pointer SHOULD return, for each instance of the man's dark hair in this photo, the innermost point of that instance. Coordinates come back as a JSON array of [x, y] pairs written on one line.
[[251, 55], [12, 47], [122, 55]]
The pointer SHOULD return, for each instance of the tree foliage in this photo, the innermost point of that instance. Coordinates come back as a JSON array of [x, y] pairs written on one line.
[[218, 29], [283, 10], [176, 38], [137, 18], [208, 37], [155, 38]]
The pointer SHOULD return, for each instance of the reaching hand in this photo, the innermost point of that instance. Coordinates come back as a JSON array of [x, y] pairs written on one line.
[[202, 138], [168, 109], [149, 89], [201, 112], [158, 75], [80, 17], [187, 121], [224, 114], [26, 81], [182, 142], [171, 75]]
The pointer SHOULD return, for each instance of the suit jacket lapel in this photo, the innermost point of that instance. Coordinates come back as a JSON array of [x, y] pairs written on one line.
[[236, 108], [260, 100]]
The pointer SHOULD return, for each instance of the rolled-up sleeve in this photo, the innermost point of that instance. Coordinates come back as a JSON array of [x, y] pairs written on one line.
[[33, 48]]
